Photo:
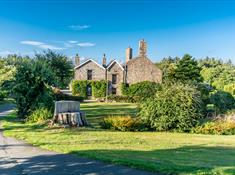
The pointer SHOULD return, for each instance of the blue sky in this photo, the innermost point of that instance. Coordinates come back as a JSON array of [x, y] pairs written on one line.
[[92, 27]]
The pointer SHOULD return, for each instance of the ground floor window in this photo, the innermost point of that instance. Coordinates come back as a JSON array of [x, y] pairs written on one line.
[[114, 91]]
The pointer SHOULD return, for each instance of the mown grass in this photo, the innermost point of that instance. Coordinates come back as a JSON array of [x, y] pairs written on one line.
[[96, 111], [170, 153]]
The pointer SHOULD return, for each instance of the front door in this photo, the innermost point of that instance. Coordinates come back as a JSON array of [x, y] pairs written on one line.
[[88, 91]]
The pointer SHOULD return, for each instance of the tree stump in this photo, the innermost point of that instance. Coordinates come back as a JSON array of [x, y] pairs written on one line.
[[68, 113]]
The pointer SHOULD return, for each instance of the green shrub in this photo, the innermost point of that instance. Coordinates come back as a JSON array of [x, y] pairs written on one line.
[[219, 127], [99, 88], [174, 107], [123, 123], [79, 88], [142, 90], [40, 115], [223, 101], [124, 99]]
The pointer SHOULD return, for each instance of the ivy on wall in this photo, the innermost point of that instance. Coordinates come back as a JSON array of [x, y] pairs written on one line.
[[79, 88], [99, 88], [142, 90]]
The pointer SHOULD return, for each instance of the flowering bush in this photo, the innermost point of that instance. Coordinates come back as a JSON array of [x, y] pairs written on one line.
[[123, 123]]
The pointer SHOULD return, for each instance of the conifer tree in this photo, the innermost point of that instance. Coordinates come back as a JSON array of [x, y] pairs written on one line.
[[187, 70]]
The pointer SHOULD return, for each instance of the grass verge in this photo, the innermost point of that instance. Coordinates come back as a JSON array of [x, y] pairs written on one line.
[[170, 153]]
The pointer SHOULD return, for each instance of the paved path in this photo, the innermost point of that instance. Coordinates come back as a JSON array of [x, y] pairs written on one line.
[[19, 158]]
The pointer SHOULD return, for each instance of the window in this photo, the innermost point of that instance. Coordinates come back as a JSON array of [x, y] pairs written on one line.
[[114, 91], [114, 78], [89, 74]]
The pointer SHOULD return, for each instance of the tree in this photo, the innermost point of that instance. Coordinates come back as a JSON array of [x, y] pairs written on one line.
[[6, 71], [60, 66], [187, 70], [31, 88], [168, 66]]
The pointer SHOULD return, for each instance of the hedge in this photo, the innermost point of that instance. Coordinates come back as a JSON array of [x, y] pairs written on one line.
[[99, 88], [122, 98], [142, 90], [58, 95], [79, 88]]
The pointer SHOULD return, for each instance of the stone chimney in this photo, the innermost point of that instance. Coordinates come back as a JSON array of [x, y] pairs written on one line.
[[104, 61], [128, 54], [77, 60], [142, 48]]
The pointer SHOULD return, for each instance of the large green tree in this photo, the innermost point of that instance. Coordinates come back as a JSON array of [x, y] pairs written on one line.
[[187, 70], [60, 65], [32, 86]]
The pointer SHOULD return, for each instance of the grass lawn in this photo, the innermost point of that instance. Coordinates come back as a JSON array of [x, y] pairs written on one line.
[[173, 153], [96, 111]]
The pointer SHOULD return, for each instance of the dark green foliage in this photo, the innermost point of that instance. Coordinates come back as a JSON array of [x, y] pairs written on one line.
[[79, 88], [176, 107], [58, 95], [31, 88], [122, 98], [223, 101], [123, 123], [3, 95], [187, 70], [99, 88], [141, 91], [205, 90], [60, 65]]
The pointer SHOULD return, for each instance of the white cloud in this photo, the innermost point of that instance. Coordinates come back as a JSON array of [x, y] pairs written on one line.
[[72, 42], [41, 45], [79, 27], [32, 43], [51, 47], [87, 44]]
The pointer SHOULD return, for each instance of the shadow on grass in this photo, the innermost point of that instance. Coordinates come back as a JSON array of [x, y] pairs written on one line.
[[187, 159]]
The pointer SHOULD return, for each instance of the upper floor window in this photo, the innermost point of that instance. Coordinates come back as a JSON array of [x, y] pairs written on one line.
[[89, 74], [114, 78]]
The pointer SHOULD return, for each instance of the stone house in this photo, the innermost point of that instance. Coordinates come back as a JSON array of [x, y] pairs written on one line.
[[134, 70]]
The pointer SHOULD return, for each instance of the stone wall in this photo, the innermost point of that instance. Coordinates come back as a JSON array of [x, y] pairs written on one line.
[[98, 73], [142, 69], [115, 69]]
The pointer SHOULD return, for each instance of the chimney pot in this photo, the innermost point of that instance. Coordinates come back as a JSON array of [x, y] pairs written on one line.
[[104, 62]]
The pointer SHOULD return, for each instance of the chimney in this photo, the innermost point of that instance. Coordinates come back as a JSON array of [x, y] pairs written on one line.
[[77, 60], [142, 48], [104, 62], [128, 54]]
